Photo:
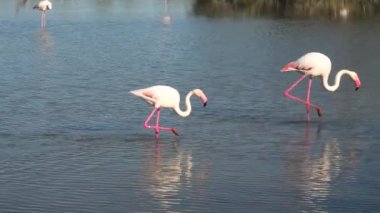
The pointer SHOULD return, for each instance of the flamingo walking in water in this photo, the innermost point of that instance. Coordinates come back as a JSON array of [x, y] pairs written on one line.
[[167, 97], [311, 65], [43, 5]]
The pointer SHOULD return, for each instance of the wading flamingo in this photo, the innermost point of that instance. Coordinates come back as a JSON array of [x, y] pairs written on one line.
[[43, 5], [167, 97], [316, 64]]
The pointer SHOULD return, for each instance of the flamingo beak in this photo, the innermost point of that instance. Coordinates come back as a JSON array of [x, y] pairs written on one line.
[[204, 100], [201, 95], [289, 67], [358, 84]]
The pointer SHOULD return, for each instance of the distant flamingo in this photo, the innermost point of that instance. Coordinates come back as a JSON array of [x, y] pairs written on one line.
[[20, 4], [43, 5], [316, 64], [167, 97]]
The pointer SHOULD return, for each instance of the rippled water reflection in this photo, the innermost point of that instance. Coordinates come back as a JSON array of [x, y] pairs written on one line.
[[338, 9], [72, 137]]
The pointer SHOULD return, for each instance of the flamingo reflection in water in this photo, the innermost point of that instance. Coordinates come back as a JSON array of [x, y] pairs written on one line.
[[314, 166], [46, 42], [169, 170], [166, 19]]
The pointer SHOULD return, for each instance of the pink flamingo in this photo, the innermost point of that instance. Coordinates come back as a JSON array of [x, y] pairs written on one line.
[[167, 97], [43, 5], [316, 64]]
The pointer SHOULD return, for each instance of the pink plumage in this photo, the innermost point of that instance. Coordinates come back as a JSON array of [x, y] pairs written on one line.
[[43, 6], [167, 97], [312, 65]]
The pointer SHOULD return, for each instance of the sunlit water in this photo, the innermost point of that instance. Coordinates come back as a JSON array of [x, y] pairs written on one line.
[[72, 138]]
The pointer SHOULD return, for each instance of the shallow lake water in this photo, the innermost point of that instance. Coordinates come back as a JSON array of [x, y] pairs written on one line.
[[72, 136]]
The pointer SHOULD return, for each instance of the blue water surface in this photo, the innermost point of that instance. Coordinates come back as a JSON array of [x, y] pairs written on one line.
[[72, 136]]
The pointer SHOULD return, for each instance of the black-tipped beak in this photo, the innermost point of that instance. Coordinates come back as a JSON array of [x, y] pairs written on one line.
[[358, 84], [205, 104]]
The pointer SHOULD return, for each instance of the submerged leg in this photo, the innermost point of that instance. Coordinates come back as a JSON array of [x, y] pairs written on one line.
[[157, 127], [287, 94]]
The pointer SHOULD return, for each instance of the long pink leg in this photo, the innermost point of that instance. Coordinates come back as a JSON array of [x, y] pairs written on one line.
[[148, 119], [43, 19], [157, 128], [287, 94], [308, 99]]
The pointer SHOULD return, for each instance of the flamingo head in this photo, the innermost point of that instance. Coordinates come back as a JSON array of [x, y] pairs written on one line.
[[291, 66], [201, 95], [357, 81]]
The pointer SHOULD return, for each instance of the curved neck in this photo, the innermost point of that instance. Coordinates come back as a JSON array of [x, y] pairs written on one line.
[[335, 86], [187, 112]]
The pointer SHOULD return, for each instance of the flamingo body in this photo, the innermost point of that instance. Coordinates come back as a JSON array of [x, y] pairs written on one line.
[[43, 6], [313, 64], [161, 96], [316, 64]]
